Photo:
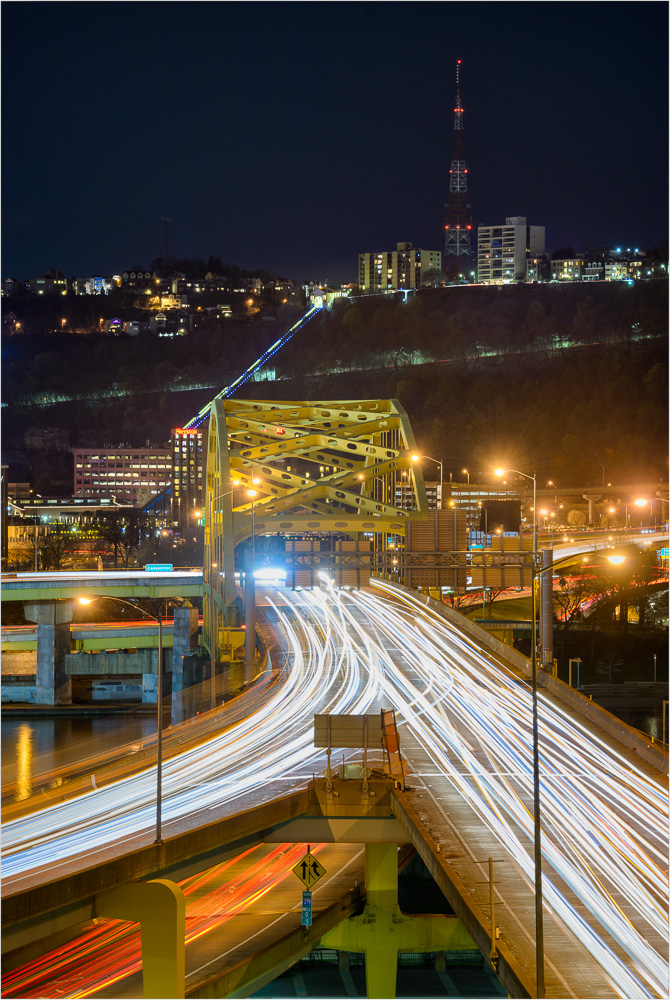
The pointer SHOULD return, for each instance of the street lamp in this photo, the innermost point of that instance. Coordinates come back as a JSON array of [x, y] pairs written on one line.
[[466, 473], [616, 559], [159, 703], [501, 472], [640, 502], [416, 458]]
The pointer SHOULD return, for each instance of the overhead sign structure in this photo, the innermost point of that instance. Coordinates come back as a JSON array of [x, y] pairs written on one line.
[[309, 870]]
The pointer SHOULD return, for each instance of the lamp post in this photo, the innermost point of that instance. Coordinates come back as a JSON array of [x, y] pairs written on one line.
[[416, 458], [466, 473], [159, 703], [615, 559], [640, 502], [533, 478]]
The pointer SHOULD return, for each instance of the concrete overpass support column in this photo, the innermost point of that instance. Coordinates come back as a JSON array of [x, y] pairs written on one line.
[[382, 931], [592, 498], [53, 686], [184, 631], [150, 681], [160, 909], [249, 616], [547, 610]]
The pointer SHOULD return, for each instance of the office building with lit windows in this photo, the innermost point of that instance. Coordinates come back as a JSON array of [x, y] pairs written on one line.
[[502, 251], [132, 475], [188, 479], [396, 270]]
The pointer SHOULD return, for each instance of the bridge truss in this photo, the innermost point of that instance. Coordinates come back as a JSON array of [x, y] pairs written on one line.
[[302, 468]]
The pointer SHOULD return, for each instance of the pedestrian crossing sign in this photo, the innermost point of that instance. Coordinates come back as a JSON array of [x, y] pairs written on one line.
[[309, 870]]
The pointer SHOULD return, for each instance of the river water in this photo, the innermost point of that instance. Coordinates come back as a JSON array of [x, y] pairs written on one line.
[[32, 747]]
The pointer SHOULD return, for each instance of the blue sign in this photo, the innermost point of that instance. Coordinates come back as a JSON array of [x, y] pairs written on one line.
[[306, 909], [158, 568]]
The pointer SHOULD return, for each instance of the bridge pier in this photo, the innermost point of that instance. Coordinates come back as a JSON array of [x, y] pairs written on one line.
[[184, 629], [53, 685], [160, 908], [592, 498], [382, 930]]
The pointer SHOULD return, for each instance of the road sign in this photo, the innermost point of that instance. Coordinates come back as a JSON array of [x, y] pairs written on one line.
[[158, 568], [309, 870], [306, 909]]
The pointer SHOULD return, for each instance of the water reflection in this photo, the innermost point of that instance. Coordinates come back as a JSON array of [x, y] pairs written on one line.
[[34, 752], [24, 761]]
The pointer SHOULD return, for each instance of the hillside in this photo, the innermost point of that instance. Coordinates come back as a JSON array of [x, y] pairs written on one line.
[[560, 379]]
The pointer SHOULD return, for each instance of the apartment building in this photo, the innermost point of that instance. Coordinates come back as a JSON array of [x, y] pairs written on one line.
[[396, 270], [503, 251]]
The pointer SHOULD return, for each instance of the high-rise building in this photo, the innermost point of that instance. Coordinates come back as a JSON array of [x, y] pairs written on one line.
[[395, 270], [502, 251], [188, 480], [458, 221]]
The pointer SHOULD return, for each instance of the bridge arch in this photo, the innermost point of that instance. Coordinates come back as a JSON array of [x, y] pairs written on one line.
[[302, 467]]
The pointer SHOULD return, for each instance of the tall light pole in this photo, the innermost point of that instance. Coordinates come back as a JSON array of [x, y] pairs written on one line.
[[416, 458], [640, 502], [536, 574], [466, 473], [539, 927], [159, 703], [533, 478]]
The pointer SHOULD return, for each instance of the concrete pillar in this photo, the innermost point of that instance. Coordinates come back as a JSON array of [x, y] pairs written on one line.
[[592, 498], [249, 615], [161, 911], [547, 609], [53, 686], [150, 681], [183, 640], [382, 931]]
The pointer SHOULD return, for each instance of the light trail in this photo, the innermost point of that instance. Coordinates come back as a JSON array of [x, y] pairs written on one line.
[[604, 821], [111, 951], [483, 744]]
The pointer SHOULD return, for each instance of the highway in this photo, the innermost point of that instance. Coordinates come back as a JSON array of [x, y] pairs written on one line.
[[466, 720], [232, 909]]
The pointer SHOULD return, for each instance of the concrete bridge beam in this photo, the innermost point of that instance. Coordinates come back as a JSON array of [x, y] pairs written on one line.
[[53, 685], [382, 930]]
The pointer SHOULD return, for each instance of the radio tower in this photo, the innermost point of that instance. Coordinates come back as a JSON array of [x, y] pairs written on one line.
[[458, 222]]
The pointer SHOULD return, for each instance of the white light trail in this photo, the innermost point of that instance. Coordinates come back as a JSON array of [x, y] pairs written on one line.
[[604, 821]]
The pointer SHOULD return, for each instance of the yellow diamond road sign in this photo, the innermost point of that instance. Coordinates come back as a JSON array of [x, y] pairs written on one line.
[[309, 870]]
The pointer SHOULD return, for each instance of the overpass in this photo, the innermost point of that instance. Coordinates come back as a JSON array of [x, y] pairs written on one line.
[[464, 712], [69, 585]]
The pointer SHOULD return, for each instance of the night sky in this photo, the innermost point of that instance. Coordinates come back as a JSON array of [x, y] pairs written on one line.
[[292, 136]]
